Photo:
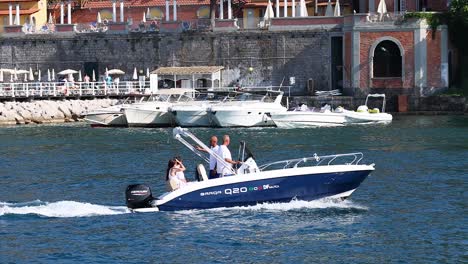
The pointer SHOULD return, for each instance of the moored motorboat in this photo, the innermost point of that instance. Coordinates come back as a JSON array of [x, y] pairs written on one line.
[[304, 116], [333, 176], [111, 116], [364, 115], [157, 113], [248, 111]]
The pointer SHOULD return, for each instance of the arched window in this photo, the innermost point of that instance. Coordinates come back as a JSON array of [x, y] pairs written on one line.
[[387, 60]]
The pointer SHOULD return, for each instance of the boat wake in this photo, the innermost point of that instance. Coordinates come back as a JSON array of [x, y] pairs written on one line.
[[326, 203], [59, 209]]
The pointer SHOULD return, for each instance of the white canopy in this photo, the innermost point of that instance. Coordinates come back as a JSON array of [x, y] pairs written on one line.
[[135, 74], [382, 9], [67, 71], [337, 11], [269, 14], [115, 71], [329, 10], [302, 10], [98, 19]]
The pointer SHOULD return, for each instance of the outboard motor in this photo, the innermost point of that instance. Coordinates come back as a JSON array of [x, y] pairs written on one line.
[[138, 196]]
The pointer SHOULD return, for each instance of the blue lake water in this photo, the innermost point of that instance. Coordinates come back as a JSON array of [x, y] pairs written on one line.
[[62, 198]]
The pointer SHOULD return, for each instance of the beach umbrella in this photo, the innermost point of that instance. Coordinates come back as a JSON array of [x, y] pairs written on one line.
[[16, 75], [98, 19], [269, 14], [337, 11], [48, 75], [106, 72], [115, 71], [303, 9], [39, 75], [79, 76], [94, 76], [144, 17], [135, 74], [147, 73], [53, 74], [67, 72], [17, 19], [25, 77], [329, 10], [51, 21], [1, 76], [148, 13], [11, 78], [31, 75], [382, 9]]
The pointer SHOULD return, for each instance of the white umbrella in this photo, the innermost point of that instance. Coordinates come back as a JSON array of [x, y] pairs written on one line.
[[79, 76], [53, 74], [31, 75], [51, 21], [329, 10], [382, 9], [67, 72], [48, 75], [148, 14], [269, 14], [16, 75], [94, 76], [135, 74], [25, 77], [106, 72], [1, 76], [144, 17], [11, 78], [39, 75], [337, 11], [115, 71], [98, 19], [303, 9], [17, 19], [147, 73]]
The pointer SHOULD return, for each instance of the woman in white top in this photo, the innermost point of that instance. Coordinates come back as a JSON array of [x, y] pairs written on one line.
[[175, 174]]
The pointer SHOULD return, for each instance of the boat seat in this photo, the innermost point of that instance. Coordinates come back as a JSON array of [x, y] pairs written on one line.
[[202, 172]]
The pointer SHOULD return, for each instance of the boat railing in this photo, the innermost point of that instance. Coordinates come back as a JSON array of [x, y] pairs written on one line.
[[338, 159]]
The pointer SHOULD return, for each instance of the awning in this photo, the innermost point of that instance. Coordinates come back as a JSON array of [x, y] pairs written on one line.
[[187, 70]]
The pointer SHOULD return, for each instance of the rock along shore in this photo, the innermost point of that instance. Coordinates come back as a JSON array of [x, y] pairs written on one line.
[[48, 111]]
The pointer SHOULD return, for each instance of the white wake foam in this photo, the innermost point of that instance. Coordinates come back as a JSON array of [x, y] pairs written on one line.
[[60, 209], [325, 203]]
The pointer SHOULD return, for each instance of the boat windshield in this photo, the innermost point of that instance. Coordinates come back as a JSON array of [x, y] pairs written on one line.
[[255, 97]]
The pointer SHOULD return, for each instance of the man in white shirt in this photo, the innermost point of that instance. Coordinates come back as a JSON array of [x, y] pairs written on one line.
[[214, 147], [225, 154]]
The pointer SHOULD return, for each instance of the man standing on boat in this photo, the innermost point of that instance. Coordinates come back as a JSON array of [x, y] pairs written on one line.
[[225, 154], [214, 147]]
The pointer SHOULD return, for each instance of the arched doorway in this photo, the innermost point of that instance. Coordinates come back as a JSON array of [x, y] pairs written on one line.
[[387, 60]]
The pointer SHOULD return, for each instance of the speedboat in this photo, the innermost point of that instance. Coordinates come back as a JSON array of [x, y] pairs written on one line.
[[196, 113], [110, 116], [364, 115], [309, 178], [157, 113], [304, 116], [248, 111]]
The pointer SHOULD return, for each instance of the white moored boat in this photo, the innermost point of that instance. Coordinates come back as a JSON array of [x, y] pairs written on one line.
[[110, 116], [364, 115], [309, 117], [157, 113], [248, 111]]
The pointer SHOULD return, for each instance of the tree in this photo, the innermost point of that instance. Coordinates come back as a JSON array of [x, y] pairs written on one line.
[[457, 21]]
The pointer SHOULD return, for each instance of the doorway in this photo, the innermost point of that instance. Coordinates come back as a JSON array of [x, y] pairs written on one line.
[[337, 63]]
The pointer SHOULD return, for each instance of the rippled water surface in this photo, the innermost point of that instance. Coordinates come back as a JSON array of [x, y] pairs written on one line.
[[62, 198]]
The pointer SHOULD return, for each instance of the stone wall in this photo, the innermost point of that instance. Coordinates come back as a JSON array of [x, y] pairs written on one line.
[[273, 56]]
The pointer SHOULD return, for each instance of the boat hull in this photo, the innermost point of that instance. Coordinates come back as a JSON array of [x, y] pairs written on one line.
[[278, 189], [242, 118], [193, 118], [148, 118], [363, 118], [297, 119], [116, 119]]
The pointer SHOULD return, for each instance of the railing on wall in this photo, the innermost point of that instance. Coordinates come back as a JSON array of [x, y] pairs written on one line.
[[61, 89]]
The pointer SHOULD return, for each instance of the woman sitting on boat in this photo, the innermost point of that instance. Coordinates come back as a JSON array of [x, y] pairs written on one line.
[[175, 177]]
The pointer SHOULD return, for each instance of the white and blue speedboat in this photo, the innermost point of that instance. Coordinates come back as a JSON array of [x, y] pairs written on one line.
[[333, 176]]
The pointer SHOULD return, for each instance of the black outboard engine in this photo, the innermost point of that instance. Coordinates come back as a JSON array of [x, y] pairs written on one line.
[[138, 196]]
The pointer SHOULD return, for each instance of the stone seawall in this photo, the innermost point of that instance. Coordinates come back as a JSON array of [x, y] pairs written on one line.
[[254, 58], [48, 111]]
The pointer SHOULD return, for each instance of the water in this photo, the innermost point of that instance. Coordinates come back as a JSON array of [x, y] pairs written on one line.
[[62, 198]]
